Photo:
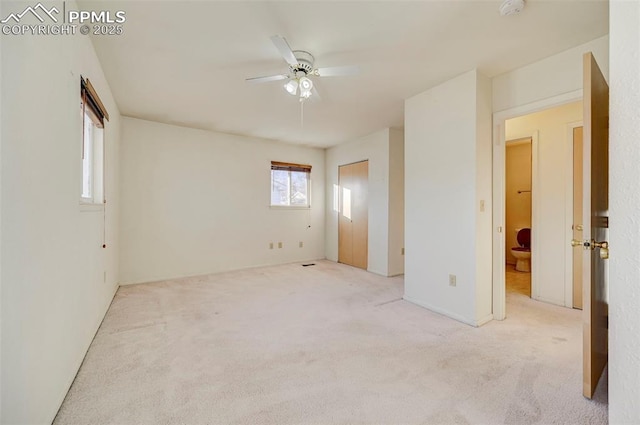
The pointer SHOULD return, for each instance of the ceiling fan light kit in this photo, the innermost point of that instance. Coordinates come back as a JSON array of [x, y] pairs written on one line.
[[306, 85], [291, 87], [298, 75], [301, 67]]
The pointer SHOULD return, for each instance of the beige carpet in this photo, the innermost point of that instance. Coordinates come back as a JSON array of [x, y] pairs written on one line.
[[327, 344]]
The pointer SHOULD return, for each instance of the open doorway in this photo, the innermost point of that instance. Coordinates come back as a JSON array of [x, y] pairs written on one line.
[[535, 217]]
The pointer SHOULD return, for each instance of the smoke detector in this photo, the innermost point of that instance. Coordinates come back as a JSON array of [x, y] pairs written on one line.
[[511, 7]]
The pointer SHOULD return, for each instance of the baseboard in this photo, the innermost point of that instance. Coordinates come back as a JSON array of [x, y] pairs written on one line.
[[486, 319], [379, 273], [190, 275], [443, 312]]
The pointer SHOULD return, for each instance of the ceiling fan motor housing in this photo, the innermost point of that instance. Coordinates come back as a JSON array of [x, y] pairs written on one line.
[[305, 62]]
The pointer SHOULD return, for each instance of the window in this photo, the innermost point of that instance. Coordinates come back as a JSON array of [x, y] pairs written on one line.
[[93, 115], [92, 160], [290, 184]]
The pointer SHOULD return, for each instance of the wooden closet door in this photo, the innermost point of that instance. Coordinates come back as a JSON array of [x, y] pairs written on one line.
[[345, 225], [353, 224], [360, 214]]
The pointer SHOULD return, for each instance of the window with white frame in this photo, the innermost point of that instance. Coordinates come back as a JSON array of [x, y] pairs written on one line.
[[93, 115], [290, 185]]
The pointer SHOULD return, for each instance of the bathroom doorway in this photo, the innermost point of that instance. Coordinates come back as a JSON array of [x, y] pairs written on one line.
[[518, 195], [548, 199]]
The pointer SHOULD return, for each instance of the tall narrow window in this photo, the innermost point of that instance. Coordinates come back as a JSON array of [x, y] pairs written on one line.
[[93, 115], [290, 184]]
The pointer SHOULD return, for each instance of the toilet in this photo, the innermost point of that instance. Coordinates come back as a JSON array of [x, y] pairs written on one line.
[[523, 252]]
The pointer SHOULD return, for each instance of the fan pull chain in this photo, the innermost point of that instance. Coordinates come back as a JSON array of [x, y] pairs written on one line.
[[301, 113]]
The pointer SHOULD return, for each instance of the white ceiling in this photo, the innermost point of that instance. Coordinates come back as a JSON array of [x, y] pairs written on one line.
[[185, 62]]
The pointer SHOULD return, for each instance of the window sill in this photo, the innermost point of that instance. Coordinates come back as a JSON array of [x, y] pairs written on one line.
[[89, 207], [289, 207]]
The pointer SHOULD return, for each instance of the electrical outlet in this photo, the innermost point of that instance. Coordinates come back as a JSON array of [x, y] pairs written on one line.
[[301, 245], [279, 244], [452, 280], [270, 245], [402, 251]]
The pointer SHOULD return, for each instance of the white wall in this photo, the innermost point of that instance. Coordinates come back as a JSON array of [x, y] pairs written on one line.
[[483, 204], [1, 290], [552, 199], [555, 75], [396, 202], [447, 174], [624, 265], [379, 149], [54, 289], [197, 202]]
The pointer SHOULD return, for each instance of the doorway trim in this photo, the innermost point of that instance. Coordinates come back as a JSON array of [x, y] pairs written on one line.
[[568, 273], [499, 154], [535, 247]]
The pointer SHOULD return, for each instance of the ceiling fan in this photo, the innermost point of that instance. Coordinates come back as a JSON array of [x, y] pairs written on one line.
[[301, 68]]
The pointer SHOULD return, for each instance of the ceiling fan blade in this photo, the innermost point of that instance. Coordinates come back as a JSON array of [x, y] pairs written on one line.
[[284, 49], [337, 71], [268, 78]]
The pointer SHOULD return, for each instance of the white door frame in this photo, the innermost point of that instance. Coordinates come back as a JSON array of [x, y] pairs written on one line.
[[535, 214], [568, 264], [499, 152]]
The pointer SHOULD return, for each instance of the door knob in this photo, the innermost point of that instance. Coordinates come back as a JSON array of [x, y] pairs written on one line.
[[576, 242], [604, 248], [604, 244]]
